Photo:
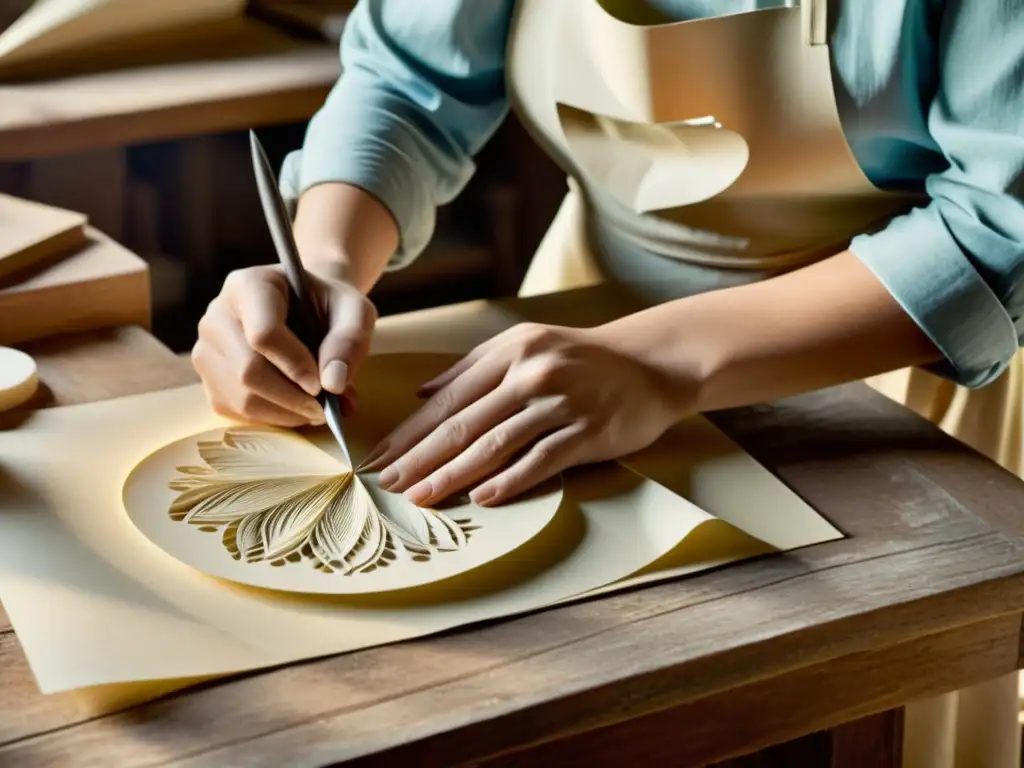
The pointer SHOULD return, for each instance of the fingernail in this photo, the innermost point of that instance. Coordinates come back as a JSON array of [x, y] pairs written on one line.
[[335, 377], [420, 493], [388, 478], [482, 497]]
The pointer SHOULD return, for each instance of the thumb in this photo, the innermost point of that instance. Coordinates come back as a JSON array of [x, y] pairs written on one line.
[[347, 343]]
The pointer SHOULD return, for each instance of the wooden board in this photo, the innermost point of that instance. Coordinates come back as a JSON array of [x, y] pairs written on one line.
[[101, 285], [60, 33], [33, 234], [923, 597], [166, 101]]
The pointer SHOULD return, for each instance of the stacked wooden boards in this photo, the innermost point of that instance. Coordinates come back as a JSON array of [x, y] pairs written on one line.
[[59, 275], [58, 38], [32, 234]]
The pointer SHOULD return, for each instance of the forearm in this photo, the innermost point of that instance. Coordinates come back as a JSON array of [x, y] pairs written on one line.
[[823, 325], [344, 231]]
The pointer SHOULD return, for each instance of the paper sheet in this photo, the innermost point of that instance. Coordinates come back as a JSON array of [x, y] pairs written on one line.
[[73, 567]]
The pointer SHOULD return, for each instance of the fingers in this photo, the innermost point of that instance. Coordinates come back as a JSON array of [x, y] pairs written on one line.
[[442, 380], [258, 410], [488, 453], [549, 456], [449, 439], [234, 371], [257, 375], [477, 382], [259, 299], [445, 378], [347, 344], [231, 400], [254, 367]]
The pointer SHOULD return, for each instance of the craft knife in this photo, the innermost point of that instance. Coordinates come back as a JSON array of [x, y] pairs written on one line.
[[305, 315]]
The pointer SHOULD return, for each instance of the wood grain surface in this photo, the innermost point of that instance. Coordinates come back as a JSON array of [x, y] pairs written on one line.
[[923, 596], [154, 103]]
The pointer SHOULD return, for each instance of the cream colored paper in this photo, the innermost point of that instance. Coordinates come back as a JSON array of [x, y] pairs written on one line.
[[94, 602], [265, 472]]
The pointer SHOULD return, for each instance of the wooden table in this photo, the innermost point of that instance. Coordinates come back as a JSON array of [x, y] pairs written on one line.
[[813, 651]]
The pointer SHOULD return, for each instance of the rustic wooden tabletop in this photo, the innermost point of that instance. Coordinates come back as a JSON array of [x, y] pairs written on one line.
[[924, 596]]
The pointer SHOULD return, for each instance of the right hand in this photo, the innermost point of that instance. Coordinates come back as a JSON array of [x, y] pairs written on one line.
[[255, 369]]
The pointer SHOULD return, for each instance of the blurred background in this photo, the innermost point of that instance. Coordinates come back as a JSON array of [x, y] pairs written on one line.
[[136, 113]]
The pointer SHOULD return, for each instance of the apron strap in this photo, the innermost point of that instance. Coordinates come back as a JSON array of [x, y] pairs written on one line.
[[814, 15]]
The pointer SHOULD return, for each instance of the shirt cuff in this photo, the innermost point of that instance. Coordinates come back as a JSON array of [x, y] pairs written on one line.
[[920, 263]]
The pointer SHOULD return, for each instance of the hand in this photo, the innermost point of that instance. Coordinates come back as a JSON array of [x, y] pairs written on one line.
[[255, 369], [522, 407]]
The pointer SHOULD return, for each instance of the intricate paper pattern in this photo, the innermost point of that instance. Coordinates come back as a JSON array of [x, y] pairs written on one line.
[[254, 489]]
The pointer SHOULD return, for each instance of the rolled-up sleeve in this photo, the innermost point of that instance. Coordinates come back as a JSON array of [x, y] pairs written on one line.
[[421, 91], [957, 265]]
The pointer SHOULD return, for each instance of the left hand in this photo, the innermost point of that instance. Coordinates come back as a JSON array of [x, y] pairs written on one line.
[[521, 408]]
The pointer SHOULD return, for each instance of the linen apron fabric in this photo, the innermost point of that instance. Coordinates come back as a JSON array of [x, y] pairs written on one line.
[[771, 185]]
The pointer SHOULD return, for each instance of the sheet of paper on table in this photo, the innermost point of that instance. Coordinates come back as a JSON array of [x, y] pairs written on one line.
[[98, 602]]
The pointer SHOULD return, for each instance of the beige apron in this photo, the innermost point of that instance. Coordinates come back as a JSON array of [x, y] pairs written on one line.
[[741, 107]]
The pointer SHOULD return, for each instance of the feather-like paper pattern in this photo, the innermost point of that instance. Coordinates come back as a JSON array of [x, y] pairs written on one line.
[[276, 498]]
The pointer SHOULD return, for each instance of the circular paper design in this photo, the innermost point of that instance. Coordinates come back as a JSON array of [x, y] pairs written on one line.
[[280, 509], [19, 378]]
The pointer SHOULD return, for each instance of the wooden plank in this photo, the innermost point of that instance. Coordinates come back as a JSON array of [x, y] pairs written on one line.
[[146, 104], [102, 285], [33, 713], [33, 234], [82, 368], [560, 671], [765, 712]]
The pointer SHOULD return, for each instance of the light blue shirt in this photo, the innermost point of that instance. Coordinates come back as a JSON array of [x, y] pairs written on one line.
[[936, 95]]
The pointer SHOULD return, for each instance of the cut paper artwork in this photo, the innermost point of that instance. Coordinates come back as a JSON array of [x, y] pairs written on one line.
[[283, 510], [254, 489], [204, 548]]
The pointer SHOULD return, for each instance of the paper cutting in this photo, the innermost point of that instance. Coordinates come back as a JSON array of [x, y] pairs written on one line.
[[282, 510], [254, 489], [150, 575]]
